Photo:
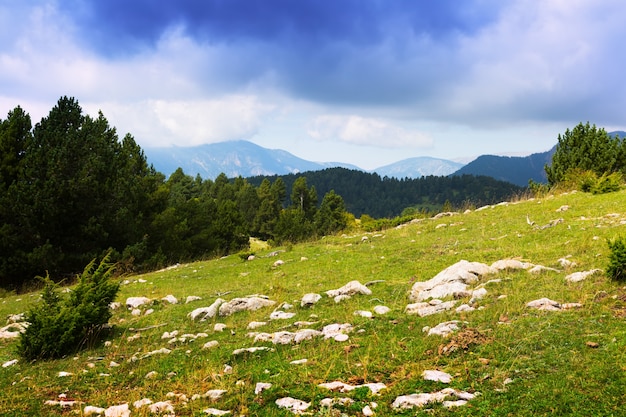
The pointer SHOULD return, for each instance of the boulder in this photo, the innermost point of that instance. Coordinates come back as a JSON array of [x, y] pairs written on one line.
[[351, 288], [134, 302], [242, 304], [452, 281], [204, 313], [310, 299]]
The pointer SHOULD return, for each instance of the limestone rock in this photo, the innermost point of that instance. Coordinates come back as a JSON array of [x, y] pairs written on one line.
[[580, 276], [422, 399], [544, 304], [427, 309], [443, 329], [310, 299], [242, 304], [293, 405], [452, 281], [134, 302], [437, 376], [351, 288], [204, 313], [170, 299]]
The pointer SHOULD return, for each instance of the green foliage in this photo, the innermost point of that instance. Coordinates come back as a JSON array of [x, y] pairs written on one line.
[[60, 326], [589, 182], [616, 269], [587, 148]]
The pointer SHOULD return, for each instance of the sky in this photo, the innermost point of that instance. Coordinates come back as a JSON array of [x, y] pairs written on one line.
[[365, 82]]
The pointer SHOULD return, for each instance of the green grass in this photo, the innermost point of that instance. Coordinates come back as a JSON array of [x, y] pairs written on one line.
[[545, 354]]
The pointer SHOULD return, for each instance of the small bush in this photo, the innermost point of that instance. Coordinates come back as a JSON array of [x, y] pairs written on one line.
[[589, 182], [62, 325], [617, 260]]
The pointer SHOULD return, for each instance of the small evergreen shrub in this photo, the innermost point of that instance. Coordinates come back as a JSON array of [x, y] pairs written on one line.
[[62, 325], [617, 259]]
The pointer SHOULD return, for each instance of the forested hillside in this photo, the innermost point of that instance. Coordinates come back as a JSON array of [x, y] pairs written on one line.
[[71, 191], [368, 193]]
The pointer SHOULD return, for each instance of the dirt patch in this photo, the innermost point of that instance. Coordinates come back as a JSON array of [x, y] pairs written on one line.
[[464, 340]]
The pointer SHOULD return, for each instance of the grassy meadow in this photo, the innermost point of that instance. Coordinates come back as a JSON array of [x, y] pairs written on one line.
[[521, 361]]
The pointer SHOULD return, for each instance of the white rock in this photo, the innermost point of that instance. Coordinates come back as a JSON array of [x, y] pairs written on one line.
[[510, 264], [9, 363], [90, 409], [161, 407], [151, 375], [281, 315], [63, 374], [169, 335], [192, 298], [299, 362], [452, 281], [242, 304], [478, 294], [422, 399], [117, 411], [148, 311], [310, 299], [351, 288], [214, 394], [381, 310], [204, 313], [256, 324], [279, 263], [306, 334], [367, 411], [437, 376], [293, 405], [464, 308], [544, 304], [252, 350], [261, 386], [136, 312], [580, 276], [170, 299], [427, 309], [215, 412], [134, 302], [362, 313], [219, 327], [341, 298], [16, 318], [210, 345], [13, 330], [341, 337], [444, 329], [142, 403]]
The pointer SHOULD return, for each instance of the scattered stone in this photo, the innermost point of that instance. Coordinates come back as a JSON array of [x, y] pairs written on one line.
[[16, 318], [351, 288], [464, 308], [513, 264], [337, 331], [161, 407], [592, 345], [63, 374], [566, 263], [90, 409], [367, 411], [341, 298], [381, 310], [443, 329], [279, 263], [299, 362], [437, 376], [192, 298], [422, 399], [281, 315], [169, 335], [117, 411], [427, 309], [219, 327], [134, 302], [215, 412], [261, 386], [9, 363], [252, 350], [148, 311], [310, 299], [151, 375], [242, 304], [580, 276], [343, 387], [170, 299], [544, 304], [210, 345], [256, 324], [562, 208], [362, 313], [330, 402], [204, 313], [141, 403], [13, 330], [478, 294], [293, 405], [61, 403], [452, 281]]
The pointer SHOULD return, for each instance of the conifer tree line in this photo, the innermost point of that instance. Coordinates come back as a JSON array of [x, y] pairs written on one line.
[[71, 190]]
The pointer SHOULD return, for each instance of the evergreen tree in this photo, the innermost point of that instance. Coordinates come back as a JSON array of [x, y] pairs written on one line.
[[331, 216], [586, 148]]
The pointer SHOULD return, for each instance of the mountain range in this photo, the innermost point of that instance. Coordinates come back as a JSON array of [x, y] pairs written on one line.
[[246, 159]]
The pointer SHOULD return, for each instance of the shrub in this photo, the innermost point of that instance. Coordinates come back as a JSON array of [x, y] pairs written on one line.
[[62, 325], [617, 259]]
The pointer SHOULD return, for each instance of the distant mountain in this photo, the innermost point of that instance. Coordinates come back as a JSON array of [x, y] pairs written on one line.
[[246, 159], [514, 169], [235, 158], [422, 166]]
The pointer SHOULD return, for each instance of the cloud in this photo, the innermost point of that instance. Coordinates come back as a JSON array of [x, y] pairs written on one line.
[[188, 123], [365, 132]]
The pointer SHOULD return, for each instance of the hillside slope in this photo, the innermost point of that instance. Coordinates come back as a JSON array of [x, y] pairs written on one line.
[[503, 359]]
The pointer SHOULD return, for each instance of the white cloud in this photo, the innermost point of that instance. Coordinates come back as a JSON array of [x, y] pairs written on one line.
[[187, 123], [365, 131]]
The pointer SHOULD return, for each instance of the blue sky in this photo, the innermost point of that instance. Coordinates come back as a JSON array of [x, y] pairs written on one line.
[[367, 82]]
